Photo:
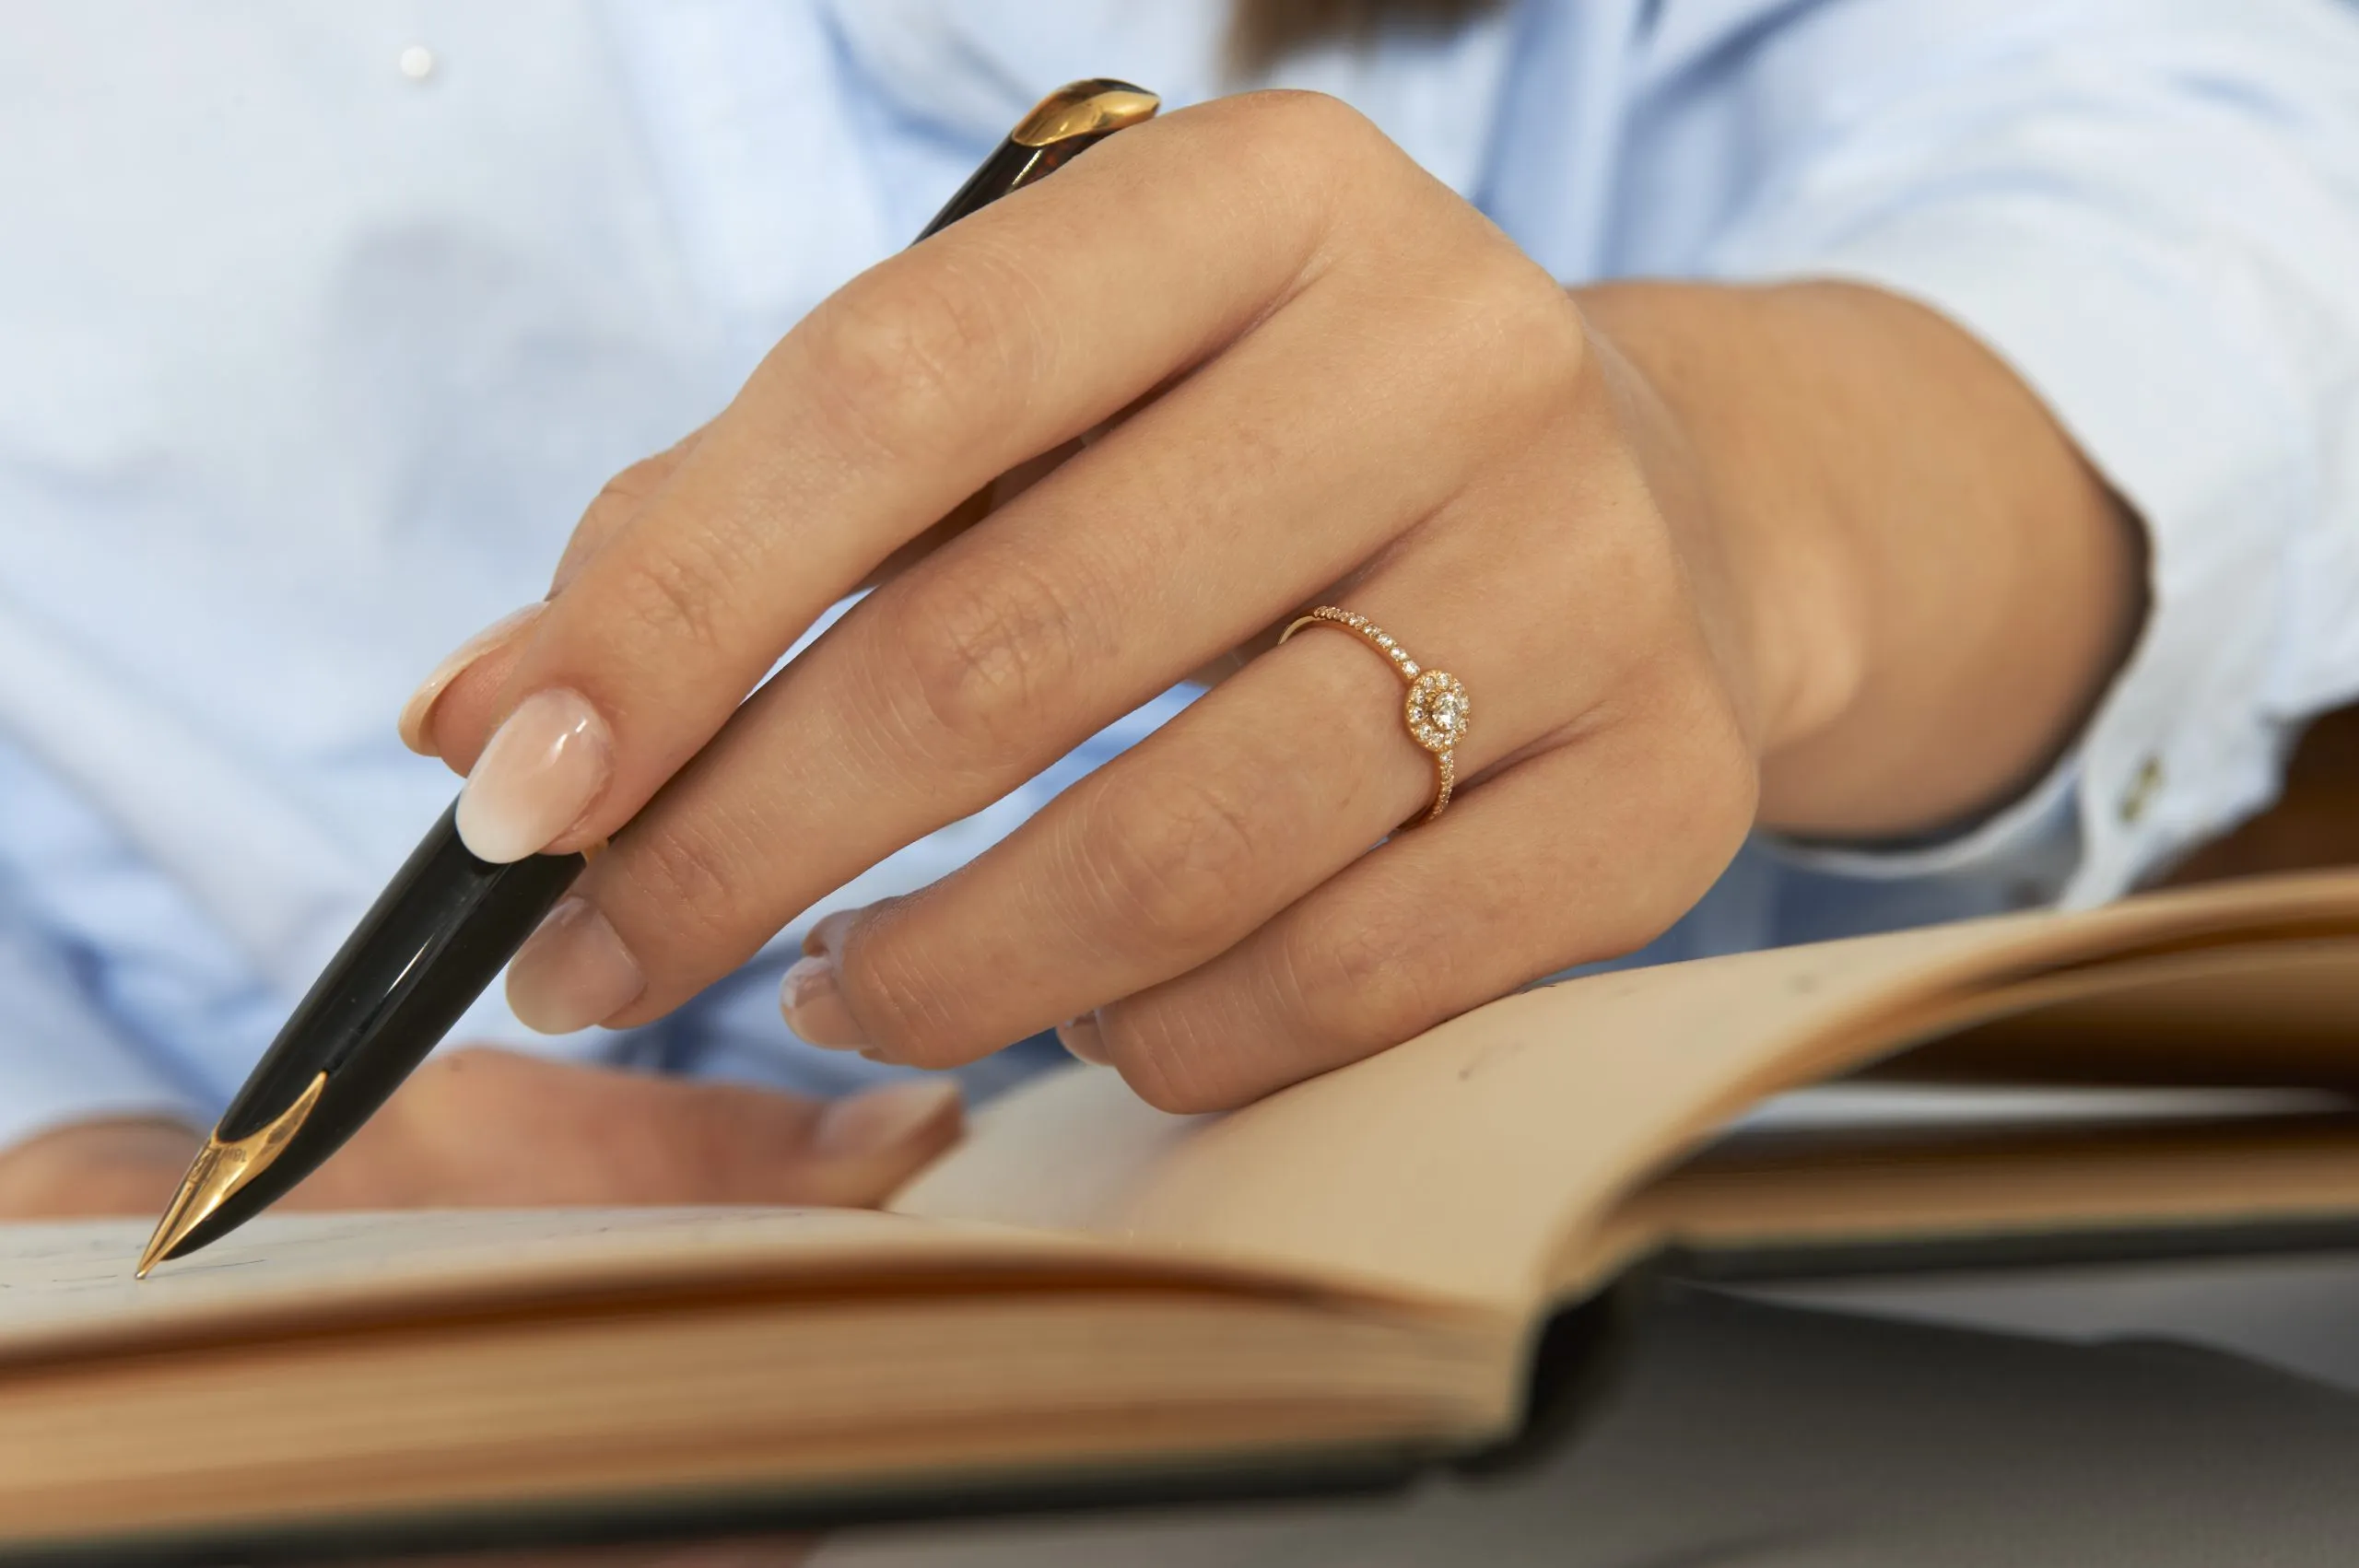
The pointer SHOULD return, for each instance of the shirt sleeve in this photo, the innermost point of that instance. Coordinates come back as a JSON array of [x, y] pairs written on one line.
[[2150, 211], [111, 983], [64, 1060]]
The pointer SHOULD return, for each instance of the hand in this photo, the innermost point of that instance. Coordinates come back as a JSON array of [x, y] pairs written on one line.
[[128, 1166], [491, 1128], [1688, 549]]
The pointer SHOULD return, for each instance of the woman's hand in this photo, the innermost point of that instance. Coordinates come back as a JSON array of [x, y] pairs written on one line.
[[131, 1166], [1687, 549], [491, 1129]]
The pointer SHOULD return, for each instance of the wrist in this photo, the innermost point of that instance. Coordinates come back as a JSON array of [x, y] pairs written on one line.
[[1930, 587], [1780, 594]]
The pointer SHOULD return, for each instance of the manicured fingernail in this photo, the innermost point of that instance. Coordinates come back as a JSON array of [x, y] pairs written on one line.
[[812, 997], [884, 1119], [1083, 1037], [420, 708], [573, 972], [536, 778]]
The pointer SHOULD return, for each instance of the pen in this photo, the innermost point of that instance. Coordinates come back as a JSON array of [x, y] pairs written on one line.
[[448, 922]]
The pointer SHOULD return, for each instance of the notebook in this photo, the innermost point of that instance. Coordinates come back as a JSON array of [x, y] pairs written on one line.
[[1417, 1260]]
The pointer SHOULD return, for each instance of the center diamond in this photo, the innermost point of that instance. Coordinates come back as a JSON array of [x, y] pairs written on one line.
[[1437, 710]]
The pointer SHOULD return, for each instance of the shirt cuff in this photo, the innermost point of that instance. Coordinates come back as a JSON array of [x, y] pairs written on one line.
[[2032, 842]]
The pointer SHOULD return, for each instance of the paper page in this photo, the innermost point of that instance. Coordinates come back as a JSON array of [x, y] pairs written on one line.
[[70, 1284], [1465, 1160]]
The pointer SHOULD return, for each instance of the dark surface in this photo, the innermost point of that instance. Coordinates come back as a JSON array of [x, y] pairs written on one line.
[[1748, 1434], [1938, 1255], [622, 1520]]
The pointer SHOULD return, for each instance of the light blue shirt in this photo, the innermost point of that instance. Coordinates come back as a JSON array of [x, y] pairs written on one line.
[[320, 323]]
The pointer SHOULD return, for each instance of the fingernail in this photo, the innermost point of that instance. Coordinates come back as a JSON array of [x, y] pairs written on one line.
[[1084, 1038], [885, 1118], [536, 778], [420, 708], [827, 934], [572, 972], [812, 997]]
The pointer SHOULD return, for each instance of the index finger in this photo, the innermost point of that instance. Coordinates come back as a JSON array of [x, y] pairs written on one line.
[[1012, 332]]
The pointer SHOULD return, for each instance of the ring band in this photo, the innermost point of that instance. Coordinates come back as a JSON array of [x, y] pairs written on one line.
[[1437, 710]]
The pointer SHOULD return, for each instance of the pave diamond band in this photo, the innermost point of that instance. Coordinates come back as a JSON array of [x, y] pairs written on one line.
[[1437, 710]]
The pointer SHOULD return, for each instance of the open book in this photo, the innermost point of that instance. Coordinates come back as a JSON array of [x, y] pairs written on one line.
[[1396, 1265]]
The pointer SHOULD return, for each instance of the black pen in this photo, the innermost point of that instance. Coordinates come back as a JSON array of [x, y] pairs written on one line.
[[449, 922]]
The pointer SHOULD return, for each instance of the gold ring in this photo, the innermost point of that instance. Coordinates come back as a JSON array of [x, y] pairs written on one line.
[[1437, 710]]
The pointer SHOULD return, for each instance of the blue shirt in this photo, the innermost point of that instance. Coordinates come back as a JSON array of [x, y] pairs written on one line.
[[322, 323]]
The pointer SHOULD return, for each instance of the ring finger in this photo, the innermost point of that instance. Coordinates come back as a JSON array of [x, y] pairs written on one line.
[[1534, 874], [1245, 801]]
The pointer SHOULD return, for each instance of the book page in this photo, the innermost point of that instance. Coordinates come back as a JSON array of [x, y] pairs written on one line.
[[1756, 1192], [68, 1287], [1468, 1160], [1456, 1165]]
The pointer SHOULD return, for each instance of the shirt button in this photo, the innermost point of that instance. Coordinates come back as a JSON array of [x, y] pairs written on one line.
[[2144, 786]]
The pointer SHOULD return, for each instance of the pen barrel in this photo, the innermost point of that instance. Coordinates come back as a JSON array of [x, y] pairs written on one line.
[[1010, 167], [426, 949]]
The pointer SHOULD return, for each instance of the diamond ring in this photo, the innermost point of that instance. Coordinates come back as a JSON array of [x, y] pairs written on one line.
[[1437, 710]]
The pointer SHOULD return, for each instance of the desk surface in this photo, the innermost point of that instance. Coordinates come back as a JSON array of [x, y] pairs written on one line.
[[2154, 1415]]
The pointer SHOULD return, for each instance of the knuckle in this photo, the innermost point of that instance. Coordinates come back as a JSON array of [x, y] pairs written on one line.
[[1364, 979], [1304, 154], [1173, 857], [1174, 1062], [678, 592], [1298, 166], [692, 881], [1288, 122], [1543, 321], [1528, 335], [987, 653], [617, 502], [905, 1003], [898, 359], [635, 483], [1721, 793]]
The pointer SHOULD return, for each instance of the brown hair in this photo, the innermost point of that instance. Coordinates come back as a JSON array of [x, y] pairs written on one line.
[[1262, 33]]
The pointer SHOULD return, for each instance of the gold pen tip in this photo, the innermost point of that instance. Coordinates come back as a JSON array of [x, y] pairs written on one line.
[[199, 1195], [220, 1169]]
